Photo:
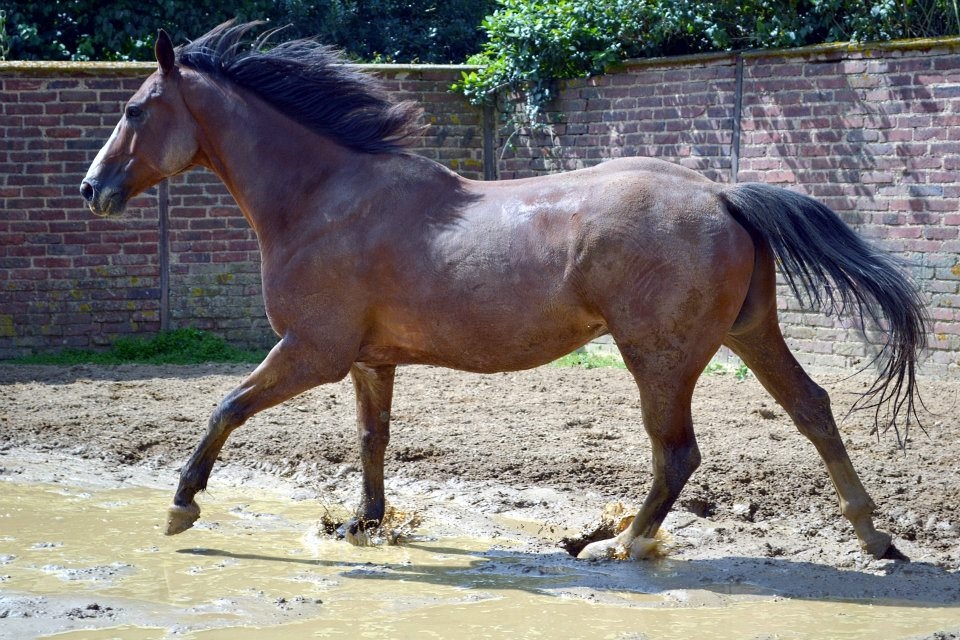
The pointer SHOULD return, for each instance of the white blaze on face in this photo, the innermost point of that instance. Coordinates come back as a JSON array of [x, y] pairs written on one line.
[[103, 201], [103, 150], [95, 165]]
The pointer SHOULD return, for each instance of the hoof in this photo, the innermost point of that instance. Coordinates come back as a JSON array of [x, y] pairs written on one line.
[[638, 548], [348, 529], [180, 518], [357, 531], [601, 550], [877, 545]]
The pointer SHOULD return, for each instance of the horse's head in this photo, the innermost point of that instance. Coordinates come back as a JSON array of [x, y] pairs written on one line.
[[155, 138]]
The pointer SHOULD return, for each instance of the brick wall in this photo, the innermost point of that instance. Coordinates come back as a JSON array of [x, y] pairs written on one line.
[[874, 132], [676, 109], [67, 279]]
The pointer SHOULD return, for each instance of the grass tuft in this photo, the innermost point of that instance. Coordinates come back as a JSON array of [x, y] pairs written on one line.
[[741, 372], [590, 360], [180, 346]]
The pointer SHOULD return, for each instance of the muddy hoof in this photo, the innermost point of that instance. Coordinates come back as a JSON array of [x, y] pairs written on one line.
[[600, 550], [356, 531], [349, 528], [638, 548], [180, 518], [879, 545]]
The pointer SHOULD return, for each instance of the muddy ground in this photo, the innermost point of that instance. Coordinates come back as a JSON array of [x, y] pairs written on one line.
[[761, 491]]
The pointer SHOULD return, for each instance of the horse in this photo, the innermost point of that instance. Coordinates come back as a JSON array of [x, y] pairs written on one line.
[[374, 257]]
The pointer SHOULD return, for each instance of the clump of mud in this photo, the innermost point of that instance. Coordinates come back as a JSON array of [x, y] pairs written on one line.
[[396, 527]]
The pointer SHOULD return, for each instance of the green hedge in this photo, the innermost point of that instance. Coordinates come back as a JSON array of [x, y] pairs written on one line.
[[531, 43]]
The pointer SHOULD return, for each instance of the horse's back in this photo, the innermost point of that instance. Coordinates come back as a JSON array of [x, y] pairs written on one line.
[[652, 167], [525, 270]]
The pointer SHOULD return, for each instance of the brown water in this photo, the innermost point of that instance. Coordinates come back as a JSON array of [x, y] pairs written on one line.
[[91, 562]]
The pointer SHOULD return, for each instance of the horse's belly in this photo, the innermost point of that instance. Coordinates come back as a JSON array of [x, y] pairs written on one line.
[[484, 342]]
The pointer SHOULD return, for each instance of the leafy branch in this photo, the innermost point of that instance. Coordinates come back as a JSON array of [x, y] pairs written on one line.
[[4, 38], [531, 44]]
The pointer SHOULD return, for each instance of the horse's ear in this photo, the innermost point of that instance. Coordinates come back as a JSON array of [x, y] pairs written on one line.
[[164, 52]]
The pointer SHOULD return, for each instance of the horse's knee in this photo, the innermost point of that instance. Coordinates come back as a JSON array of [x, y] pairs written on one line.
[[228, 415]]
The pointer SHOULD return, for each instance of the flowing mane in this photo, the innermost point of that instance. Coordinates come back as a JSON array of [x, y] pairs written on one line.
[[309, 82]]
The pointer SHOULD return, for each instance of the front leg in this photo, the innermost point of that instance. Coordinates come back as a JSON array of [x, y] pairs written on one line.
[[374, 391], [289, 369]]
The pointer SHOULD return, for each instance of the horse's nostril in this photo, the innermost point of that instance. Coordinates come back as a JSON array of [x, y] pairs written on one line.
[[86, 191]]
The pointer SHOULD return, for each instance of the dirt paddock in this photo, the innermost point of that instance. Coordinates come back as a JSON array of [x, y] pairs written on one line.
[[761, 492]]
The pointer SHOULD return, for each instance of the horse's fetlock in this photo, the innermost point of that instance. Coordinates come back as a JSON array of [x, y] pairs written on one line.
[[371, 511], [856, 511]]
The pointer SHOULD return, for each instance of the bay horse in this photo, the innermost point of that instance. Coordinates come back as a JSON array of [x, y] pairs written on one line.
[[374, 257]]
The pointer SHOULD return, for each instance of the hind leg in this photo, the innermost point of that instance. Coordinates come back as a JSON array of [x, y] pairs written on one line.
[[665, 406], [763, 349]]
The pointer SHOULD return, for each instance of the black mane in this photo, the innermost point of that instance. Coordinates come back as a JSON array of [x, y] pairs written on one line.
[[309, 82]]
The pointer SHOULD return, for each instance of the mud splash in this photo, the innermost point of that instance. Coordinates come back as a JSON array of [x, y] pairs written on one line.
[[82, 555]]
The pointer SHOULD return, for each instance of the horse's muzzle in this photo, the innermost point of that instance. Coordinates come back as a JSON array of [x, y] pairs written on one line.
[[102, 201]]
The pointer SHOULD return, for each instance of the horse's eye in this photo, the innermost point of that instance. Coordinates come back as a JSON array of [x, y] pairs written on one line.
[[134, 112]]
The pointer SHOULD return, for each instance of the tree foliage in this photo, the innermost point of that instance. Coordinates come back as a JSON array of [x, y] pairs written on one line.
[[119, 30], [369, 30], [531, 43], [428, 31]]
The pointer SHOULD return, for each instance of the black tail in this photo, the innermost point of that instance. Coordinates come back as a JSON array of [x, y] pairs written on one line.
[[830, 267]]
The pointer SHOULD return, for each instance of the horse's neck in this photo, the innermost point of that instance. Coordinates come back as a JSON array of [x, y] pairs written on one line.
[[290, 182], [269, 165]]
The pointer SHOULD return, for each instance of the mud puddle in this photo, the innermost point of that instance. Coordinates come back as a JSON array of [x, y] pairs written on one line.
[[82, 555]]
